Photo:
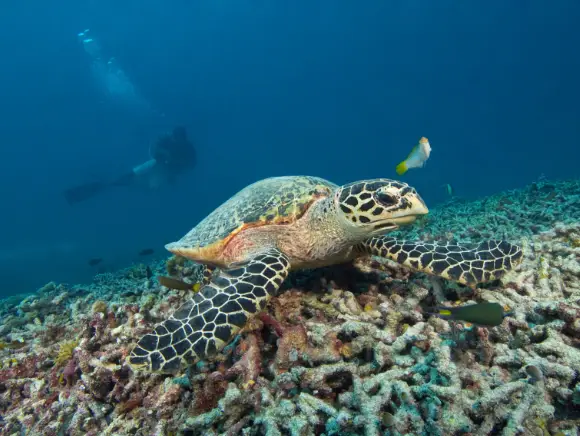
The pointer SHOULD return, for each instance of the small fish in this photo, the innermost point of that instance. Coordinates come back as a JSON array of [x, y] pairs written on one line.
[[12, 345], [416, 158], [535, 373], [95, 261], [170, 282], [388, 419], [448, 189], [482, 314], [148, 272], [146, 252]]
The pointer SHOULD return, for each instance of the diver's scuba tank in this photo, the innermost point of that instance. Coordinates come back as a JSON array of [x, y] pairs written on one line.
[[144, 167], [90, 45]]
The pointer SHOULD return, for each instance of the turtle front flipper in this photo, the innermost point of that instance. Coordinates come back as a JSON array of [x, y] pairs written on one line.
[[208, 321], [466, 264]]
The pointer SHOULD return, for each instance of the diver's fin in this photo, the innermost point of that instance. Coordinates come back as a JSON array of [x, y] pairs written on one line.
[[125, 180], [83, 192]]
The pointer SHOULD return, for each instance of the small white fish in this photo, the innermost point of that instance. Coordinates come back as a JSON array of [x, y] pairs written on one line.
[[448, 189], [416, 158]]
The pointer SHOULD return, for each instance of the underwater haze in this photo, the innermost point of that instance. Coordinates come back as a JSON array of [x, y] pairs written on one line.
[[336, 89]]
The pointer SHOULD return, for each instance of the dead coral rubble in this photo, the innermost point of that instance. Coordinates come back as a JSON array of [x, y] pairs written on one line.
[[341, 351]]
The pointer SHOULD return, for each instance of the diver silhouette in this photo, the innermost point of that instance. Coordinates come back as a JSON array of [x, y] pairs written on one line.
[[170, 155]]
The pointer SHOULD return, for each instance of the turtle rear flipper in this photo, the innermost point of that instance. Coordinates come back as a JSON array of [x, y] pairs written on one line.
[[466, 264], [207, 322]]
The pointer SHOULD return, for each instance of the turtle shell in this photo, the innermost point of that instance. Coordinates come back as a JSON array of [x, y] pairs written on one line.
[[276, 200]]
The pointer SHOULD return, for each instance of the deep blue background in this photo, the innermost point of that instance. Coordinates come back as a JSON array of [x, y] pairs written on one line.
[[338, 89]]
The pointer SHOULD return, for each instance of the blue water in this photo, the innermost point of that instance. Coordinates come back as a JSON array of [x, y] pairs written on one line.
[[337, 89]]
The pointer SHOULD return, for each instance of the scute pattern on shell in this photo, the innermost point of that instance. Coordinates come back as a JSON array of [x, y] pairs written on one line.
[[275, 200]]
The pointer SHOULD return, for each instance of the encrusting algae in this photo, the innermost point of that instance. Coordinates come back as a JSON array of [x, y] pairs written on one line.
[[65, 352], [100, 306], [337, 352]]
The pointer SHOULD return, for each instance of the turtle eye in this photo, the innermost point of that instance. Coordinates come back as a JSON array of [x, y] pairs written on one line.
[[385, 199]]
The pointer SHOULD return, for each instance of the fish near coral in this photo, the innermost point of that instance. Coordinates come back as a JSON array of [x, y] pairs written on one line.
[[535, 373], [12, 345], [448, 189], [416, 158], [482, 314], [298, 222], [172, 283], [95, 261]]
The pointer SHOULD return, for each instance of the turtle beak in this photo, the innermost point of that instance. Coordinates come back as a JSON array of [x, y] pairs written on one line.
[[416, 207]]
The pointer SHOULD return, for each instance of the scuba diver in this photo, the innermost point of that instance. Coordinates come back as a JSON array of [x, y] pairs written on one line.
[[170, 155]]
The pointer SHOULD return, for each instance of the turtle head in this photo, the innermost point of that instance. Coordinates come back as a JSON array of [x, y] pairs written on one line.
[[379, 205]]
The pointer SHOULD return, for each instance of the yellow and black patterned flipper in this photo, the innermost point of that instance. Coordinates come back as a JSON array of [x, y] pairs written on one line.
[[466, 264], [209, 320]]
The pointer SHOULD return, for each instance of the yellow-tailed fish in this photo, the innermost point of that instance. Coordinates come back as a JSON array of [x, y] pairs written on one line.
[[482, 314], [12, 345], [171, 283], [416, 158]]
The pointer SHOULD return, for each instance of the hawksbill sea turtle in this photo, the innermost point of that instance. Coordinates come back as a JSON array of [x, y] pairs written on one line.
[[250, 243]]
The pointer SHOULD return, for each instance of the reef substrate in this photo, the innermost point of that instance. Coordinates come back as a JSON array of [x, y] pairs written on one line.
[[341, 351]]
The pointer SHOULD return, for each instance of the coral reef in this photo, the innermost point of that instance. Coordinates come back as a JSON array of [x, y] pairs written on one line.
[[341, 351]]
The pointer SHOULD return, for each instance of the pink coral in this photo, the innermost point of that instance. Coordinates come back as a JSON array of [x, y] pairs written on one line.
[[166, 403], [70, 371], [250, 365], [209, 393], [486, 347], [26, 368], [288, 306], [293, 347]]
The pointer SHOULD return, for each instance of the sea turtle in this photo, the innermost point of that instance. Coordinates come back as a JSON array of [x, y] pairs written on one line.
[[292, 222]]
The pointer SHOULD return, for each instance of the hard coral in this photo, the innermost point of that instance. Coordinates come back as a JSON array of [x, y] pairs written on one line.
[[167, 401], [208, 393], [294, 348], [25, 368], [173, 264], [100, 306], [339, 352], [250, 365]]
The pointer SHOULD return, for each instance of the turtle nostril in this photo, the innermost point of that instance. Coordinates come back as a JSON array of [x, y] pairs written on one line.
[[386, 199]]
